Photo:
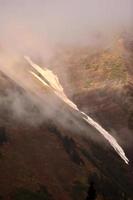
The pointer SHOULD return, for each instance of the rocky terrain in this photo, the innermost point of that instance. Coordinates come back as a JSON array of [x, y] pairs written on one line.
[[100, 82], [51, 161]]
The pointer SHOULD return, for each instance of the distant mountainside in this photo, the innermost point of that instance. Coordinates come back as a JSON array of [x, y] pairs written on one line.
[[100, 82], [52, 161]]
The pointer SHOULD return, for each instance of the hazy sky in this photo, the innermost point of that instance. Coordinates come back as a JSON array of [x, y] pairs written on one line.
[[54, 21]]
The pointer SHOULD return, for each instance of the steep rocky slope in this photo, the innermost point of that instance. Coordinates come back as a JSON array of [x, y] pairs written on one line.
[[52, 161], [100, 82]]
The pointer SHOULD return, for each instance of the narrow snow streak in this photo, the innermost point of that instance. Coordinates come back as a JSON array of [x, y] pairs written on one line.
[[50, 80]]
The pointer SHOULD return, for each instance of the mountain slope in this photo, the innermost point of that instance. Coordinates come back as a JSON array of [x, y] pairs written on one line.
[[53, 155], [100, 83]]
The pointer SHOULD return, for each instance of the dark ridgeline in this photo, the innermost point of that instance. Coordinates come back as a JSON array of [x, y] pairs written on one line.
[[91, 194]]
